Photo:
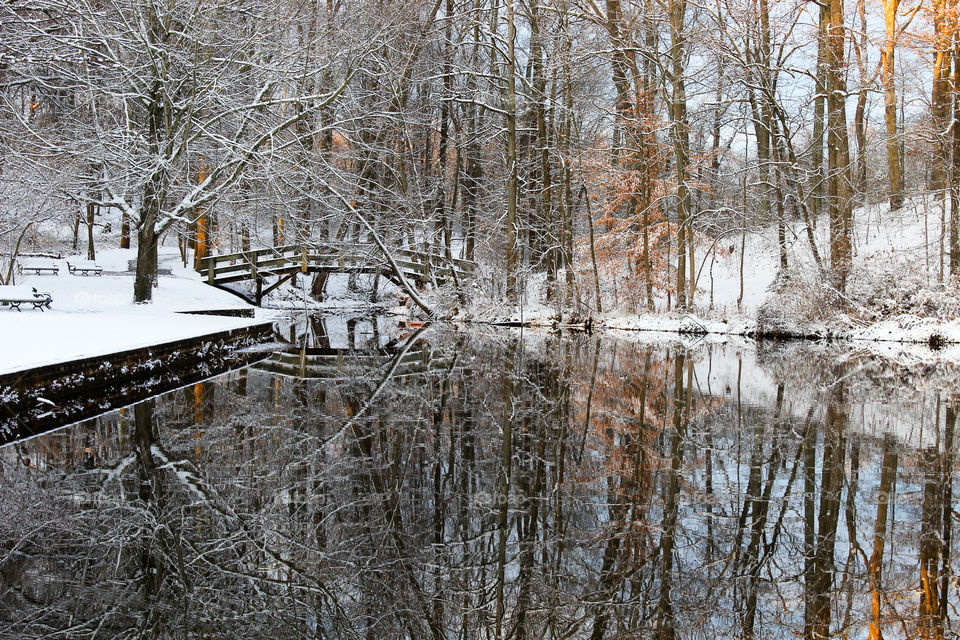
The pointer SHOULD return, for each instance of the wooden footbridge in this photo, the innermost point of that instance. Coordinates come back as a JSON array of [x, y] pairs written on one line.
[[283, 263]]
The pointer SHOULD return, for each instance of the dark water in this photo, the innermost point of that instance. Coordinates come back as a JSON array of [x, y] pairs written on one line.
[[457, 485]]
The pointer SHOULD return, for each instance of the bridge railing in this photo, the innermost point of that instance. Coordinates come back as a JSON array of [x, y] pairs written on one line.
[[329, 257]]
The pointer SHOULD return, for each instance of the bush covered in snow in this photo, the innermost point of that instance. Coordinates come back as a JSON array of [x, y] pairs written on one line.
[[899, 285], [800, 305]]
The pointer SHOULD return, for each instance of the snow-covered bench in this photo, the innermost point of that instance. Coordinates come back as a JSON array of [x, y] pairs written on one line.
[[84, 268], [39, 268], [16, 295]]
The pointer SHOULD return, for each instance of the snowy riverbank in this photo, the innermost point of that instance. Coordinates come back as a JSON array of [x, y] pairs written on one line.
[[896, 292], [95, 315]]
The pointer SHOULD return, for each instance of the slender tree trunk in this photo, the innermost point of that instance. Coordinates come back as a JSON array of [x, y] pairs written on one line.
[[91, 217], [441, 203], [201, 248], [954, 240], [940, 101], [681, 144], [818, 177], [146, 259], [124, 231], [510, 108], [543, 146], [154, 196], [838, 157], [888, 68], [860, 114]]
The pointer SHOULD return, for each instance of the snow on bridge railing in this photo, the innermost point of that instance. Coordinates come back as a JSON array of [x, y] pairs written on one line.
[[316, 257]]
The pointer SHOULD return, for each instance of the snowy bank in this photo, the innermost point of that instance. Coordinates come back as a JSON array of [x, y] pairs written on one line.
[[95, 315]]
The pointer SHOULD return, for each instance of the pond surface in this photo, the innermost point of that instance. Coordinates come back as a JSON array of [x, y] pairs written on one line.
[[462, 484]]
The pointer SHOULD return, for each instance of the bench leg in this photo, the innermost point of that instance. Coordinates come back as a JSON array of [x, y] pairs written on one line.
[[15, 305]]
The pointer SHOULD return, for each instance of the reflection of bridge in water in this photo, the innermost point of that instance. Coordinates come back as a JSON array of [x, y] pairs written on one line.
[[329, 364], [325, 348]]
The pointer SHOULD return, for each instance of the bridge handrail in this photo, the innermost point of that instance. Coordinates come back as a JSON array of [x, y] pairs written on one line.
[[286, 259], [283, 250]]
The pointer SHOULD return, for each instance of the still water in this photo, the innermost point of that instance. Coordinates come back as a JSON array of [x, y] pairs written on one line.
[[393, 483]]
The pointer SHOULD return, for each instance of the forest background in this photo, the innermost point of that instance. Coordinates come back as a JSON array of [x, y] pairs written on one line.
[[606, 150]]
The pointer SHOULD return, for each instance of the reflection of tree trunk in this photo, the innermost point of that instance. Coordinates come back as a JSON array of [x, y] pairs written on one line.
[[665, 615], [759, 506], [503, 485], [946, 485], [809, 520], [819, 582], [152, 570], [935, 532], [888, 478], [609, 576], [930, 623], [528, 538], [439, 499]]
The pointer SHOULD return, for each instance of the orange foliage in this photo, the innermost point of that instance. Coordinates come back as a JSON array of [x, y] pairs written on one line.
[[630, 194]]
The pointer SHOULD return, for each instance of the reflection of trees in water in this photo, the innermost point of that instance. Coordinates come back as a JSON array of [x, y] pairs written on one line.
[[568, 488]]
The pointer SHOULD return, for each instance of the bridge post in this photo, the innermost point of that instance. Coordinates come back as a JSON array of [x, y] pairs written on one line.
[[210, 263], [252, 259]]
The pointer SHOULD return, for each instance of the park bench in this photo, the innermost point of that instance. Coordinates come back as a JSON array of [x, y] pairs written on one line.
[[38, 268], [16, 295], [84, 268]]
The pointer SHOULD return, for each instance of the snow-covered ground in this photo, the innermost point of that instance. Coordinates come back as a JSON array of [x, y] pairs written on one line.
[[95, 315]]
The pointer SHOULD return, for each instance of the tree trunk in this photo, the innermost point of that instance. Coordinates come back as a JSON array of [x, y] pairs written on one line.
[[818, 177], [860, 115], [511, 152], [940, 100], [681, 145], [838, 157], [954, 240], [91, 217], [894, 158], [146, 261], [124, 231]]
